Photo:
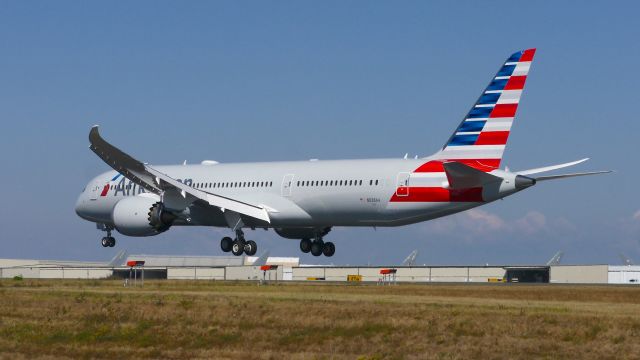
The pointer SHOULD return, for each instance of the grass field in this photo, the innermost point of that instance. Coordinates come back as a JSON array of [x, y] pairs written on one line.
[[188, 319]]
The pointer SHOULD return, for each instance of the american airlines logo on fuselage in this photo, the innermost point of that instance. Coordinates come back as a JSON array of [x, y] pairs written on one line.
[[129, 188]]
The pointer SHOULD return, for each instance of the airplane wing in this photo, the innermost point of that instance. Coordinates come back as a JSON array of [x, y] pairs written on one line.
[[157, 182]]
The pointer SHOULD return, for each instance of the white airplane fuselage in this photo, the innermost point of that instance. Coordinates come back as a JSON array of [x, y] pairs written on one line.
[[305, 194]]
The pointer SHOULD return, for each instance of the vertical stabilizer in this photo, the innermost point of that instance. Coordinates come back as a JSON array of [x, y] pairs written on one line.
[[411, 259], [481, 137], [262, 259], [118, 259], [555, 260]]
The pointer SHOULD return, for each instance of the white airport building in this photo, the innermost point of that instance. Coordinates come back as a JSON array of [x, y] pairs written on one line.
[[290, 269]]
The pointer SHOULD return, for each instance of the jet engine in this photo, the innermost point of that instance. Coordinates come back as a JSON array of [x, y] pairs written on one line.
[[141, 216]]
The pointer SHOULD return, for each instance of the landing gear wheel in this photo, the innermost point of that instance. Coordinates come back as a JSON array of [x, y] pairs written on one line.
[[316, 247], [107, 241], [237, 248], [305, 245], [226, 244], [328, 249], [250, 247]]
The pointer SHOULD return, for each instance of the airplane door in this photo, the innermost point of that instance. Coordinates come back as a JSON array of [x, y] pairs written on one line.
[[287, 183], [402, 188]]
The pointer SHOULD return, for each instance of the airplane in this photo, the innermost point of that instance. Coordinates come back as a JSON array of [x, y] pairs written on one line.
[[304, 200]]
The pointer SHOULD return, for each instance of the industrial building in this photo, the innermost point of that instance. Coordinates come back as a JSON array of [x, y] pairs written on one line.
[[290, 269]]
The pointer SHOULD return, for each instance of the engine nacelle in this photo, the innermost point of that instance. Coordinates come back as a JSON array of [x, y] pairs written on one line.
[[141, 216]]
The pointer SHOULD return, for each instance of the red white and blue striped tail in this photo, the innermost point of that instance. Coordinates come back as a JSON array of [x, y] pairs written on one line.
[[480, 139]]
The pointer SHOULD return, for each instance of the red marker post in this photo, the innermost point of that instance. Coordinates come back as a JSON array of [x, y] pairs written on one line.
[[266, 268], [388, 276], [134, 266]]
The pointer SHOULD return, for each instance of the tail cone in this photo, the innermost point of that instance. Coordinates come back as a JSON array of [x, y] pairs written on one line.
[[523, 182]]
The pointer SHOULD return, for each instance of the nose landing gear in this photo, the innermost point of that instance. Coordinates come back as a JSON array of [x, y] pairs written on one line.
[[107, 241]]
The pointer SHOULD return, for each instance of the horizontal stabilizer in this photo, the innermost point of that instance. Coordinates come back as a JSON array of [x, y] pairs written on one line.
[[461, 176], [549, 168], [562, 176]]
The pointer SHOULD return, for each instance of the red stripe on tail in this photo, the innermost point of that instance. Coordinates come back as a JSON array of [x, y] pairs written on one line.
[[485, 165], [504, 110], [492, 138], [516, 82], [527, 55]]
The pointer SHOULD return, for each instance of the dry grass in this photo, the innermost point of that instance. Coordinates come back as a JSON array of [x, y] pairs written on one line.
[[186, 319]]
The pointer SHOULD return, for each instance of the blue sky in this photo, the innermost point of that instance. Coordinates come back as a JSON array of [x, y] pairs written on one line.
[[257, 81]]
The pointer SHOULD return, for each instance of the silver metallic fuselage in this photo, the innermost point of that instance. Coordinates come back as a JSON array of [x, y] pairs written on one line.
[[297, 194]]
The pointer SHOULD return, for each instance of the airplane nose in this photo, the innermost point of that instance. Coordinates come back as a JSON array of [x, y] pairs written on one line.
[[80, 207]]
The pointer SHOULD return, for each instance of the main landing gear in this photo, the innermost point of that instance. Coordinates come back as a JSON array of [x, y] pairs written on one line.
[[107, 241], [238, 245], [317, 247]]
